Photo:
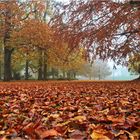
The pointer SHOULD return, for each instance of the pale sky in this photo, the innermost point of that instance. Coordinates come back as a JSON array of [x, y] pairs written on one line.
[[62, 0], [121, 73]]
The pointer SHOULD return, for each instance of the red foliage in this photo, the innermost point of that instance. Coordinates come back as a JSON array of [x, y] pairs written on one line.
[[74, 110], [107, 28]]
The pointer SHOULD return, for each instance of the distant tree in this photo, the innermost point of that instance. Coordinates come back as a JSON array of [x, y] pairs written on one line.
[[101, 69], [98, 70], [68, 61], [24, 60], [87, 71], [134, 64]]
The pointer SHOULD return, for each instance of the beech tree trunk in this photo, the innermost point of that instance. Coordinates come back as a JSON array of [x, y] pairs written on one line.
[[7, 64], [7, 50]]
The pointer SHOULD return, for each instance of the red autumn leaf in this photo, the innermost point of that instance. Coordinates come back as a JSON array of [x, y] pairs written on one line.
[[119, 119], [29, 128]]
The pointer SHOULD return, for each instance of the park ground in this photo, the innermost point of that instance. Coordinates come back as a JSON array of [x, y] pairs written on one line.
[[59, 110]]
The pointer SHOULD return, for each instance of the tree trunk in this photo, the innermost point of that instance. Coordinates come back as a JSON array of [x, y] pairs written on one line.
[[68, 75], [74, 75], [57, 73], [45, 67], [40, 71], [45, 72], [40, 64], [64, 74], [0, 71], [7, 64], [27, 70], [53, 73], [7, 50]]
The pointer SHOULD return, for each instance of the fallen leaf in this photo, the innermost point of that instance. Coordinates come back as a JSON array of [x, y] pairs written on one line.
[[49, 133], [2, 132], [136, 134], [79, 118], [98, 136], [77, 135]]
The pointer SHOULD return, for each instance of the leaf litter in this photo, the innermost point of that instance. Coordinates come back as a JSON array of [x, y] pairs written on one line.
[[70, 110]]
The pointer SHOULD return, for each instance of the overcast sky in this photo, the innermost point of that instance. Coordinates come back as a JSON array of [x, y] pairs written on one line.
[[62, 0]]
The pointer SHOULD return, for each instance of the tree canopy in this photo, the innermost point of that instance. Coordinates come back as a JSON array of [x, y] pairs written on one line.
[[109, 29]]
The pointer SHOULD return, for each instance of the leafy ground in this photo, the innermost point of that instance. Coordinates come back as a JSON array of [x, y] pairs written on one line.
[[70, 110]]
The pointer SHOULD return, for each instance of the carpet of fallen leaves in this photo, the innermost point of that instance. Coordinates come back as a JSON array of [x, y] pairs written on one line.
[[70, 110]]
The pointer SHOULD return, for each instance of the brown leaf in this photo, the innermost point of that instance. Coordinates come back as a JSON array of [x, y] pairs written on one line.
[[48, 133], [77, 135]]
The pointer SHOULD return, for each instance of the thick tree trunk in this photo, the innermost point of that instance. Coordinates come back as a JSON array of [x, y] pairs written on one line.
[[7, 50], [7, 64], [27, 70]]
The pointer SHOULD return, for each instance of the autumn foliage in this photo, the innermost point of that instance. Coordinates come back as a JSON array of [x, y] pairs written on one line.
[[109, 29], [70, 110], [35, 41]]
